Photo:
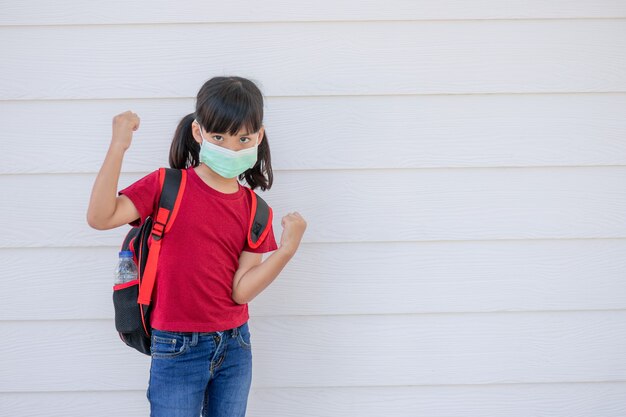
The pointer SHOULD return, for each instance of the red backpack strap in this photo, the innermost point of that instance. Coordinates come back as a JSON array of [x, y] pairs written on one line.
[[173, 183], [260, 220]]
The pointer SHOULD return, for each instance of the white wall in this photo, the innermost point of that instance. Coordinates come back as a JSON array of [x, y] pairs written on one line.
[[461, 166]]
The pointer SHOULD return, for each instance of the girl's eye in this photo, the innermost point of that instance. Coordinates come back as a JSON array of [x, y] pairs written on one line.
[[244, 139]]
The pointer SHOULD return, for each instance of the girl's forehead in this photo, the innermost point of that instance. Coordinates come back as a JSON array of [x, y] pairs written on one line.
[[241, 132]]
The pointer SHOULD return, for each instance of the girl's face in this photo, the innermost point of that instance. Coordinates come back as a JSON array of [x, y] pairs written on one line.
[[241, 140]]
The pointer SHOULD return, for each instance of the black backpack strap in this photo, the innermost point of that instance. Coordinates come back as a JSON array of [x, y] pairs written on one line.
[[260, 220], [172, 187]]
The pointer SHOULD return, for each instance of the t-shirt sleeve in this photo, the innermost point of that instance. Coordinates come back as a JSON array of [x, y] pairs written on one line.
[[143, 193], [268, 244]]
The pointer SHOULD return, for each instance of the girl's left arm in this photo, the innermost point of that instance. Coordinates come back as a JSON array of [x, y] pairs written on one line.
[[253, 276]]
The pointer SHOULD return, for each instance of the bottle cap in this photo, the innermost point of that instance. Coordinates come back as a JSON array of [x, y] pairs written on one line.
[[126, 254]]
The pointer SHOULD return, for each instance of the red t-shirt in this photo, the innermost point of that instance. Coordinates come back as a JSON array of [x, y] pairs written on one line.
[[199, 254]]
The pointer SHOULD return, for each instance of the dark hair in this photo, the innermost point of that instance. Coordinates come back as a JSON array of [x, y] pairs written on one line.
[[225, 104]]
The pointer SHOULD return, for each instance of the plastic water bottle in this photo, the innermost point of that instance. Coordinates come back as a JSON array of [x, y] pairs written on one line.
[[126, 269]]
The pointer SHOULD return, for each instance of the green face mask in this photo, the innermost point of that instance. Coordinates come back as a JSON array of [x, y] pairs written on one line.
[[225, 162]]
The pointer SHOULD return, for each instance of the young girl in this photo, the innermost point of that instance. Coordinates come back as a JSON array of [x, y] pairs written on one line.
[[201, 347]]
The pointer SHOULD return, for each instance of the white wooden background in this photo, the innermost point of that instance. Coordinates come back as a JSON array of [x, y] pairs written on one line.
[[461, 166]]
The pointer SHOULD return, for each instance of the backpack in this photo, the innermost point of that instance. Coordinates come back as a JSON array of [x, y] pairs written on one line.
[[131, 300]]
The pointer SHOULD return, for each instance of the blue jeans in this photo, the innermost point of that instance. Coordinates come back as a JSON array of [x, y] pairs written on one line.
[[195, 372]]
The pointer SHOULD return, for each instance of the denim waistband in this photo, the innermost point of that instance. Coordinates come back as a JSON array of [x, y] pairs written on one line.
[[234, 331]]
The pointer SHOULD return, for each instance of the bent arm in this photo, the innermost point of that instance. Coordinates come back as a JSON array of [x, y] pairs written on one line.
[[255, 278], [106, 211]]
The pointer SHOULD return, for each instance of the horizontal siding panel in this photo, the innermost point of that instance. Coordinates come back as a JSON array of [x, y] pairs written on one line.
[[341, 132], [331, 351], [513, 400], [353, 278], [328, 58], [363, 206], [37, 12], [76, 404]]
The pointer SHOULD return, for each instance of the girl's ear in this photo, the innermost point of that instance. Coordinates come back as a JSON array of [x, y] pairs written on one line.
[[195, 131]]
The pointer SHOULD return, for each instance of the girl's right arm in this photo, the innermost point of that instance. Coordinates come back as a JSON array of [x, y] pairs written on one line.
[[106, 211]]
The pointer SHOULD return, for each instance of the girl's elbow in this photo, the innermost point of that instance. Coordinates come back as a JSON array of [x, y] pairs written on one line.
[[95, 223], [92, 222], [238, 299]]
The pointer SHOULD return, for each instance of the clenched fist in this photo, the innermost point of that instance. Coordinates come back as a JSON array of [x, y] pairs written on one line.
[[123, 126], [293, 229]]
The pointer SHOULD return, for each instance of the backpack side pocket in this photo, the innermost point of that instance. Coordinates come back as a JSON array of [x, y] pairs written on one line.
[[127, 312]]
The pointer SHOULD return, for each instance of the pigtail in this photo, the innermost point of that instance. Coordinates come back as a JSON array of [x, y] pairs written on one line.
[[184, 151], [261, 175]]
